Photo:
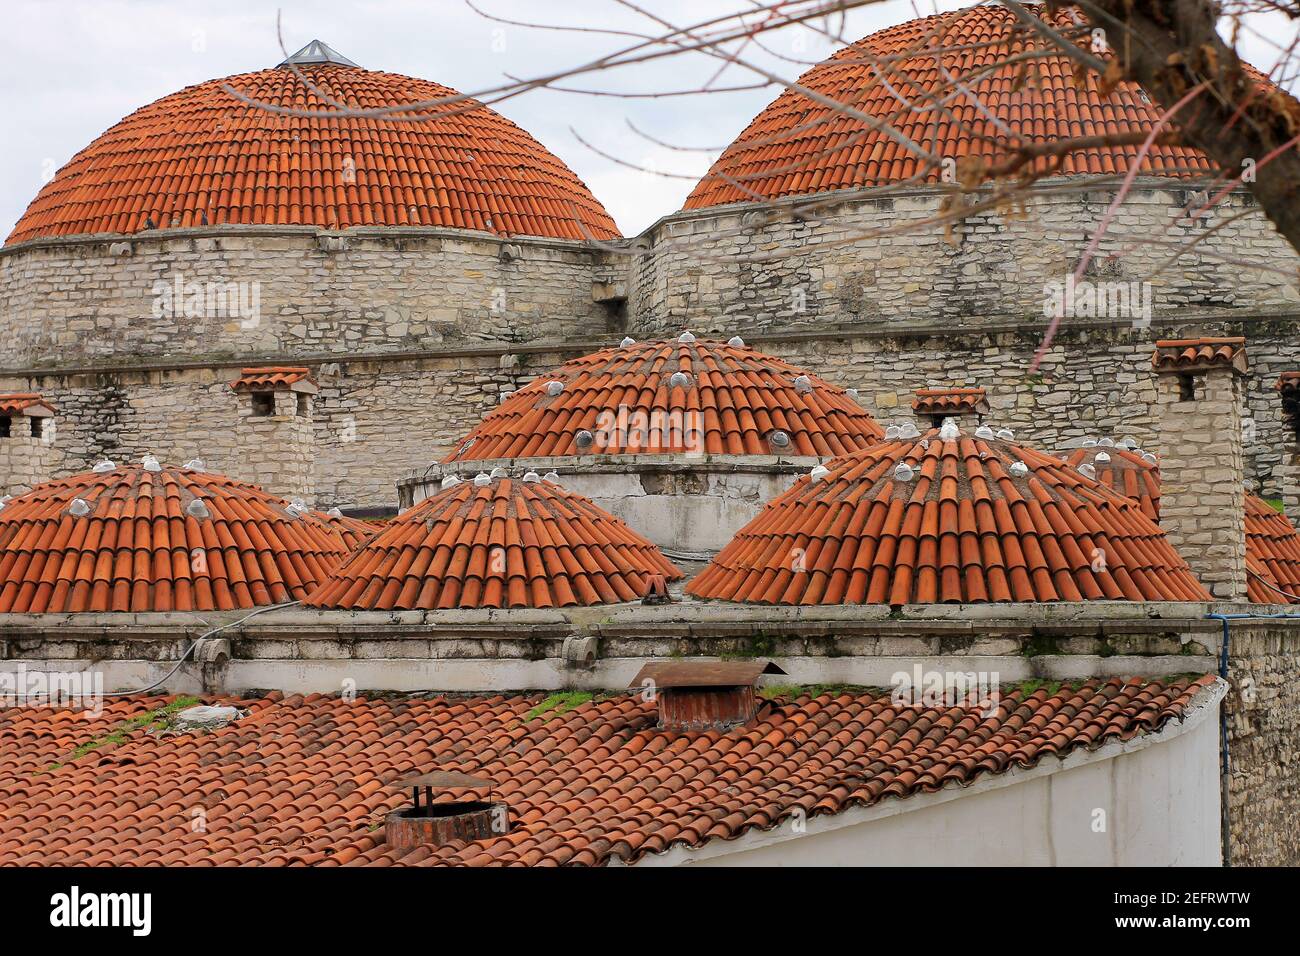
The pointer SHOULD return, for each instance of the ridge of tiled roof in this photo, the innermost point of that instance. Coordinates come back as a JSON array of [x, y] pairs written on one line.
[[503, 543], [798, 146], [271, 378], [1192, 354], [354, 531], [12, 403], [202, 157], [740, 395], [936, 401], [143, 545], [1127, 472], [303, 781], [959, 526]]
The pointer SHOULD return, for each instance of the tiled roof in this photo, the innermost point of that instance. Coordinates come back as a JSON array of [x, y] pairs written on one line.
[[1186, 355], [1272, 544], [202, 157], [15, 402], [1127, 472], [798, 146], [272, 378], [354, 531], [953, 401], [731, 400], [303, 781], [503, 543], [963, 527], [1273, 547], [143, 544]]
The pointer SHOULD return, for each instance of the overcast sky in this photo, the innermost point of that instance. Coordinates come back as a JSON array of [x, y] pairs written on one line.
[[69, 69]]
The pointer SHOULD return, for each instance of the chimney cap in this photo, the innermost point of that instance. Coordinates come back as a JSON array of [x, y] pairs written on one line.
[[30, 404], [668, 674], [1200, 355], [276, 378], [950, 401], [441, 780]]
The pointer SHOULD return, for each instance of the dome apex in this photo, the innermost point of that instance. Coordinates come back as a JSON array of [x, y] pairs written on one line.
[[315, 53]]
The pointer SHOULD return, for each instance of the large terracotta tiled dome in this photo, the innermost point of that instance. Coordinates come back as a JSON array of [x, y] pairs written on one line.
[[957, 520], [158, 538], [203, 157], [668, 397], [799, 146]]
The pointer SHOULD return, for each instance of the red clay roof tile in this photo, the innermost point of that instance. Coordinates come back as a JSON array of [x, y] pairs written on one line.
[[302, 781], [798, 146], [731, 401], [506, 543], [1126, 471], [354, 531], [202, 157], [144, 545], [961, 527]]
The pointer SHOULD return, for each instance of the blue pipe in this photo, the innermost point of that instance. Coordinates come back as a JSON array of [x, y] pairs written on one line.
[[1225, 759]]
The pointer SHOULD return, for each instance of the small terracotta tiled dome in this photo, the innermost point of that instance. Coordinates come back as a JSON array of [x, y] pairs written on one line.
[[1272, 543], [203, 157], [673, 396], [798, 146], [1133, 473], [154, 538], [497, 543], [961, 520]]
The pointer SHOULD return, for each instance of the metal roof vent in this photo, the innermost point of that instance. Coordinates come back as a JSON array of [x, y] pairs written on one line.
[[703, 695], [436, 823], [584, 440], [779, 440], [315, 53]]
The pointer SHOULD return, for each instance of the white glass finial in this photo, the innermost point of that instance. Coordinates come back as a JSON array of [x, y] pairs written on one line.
[[150, 463], [1019, 469], [102, 466], [984, 432], [451, 481], [686, 338]]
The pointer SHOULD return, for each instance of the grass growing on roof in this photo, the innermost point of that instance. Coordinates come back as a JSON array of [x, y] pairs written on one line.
[[558, 704], [153, 719]]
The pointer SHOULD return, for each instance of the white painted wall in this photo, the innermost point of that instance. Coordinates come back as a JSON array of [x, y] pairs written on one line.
[[1159, 794]]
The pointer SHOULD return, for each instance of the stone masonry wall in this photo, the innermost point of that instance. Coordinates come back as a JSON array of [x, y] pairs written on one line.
[[295, 291], [1202, 499], [25, 461], [857, 263], [1263, 708]]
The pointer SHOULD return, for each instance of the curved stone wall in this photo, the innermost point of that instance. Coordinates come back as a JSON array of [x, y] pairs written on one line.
[[247, 291]]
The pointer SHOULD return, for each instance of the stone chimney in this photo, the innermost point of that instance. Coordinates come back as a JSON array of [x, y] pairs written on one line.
[[933, 405], [1288, 388], [26, 442], [277, 441], [1200, 402]]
